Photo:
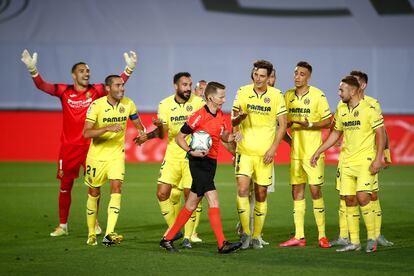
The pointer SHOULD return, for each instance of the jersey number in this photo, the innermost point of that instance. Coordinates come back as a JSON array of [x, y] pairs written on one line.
[[88, 170]]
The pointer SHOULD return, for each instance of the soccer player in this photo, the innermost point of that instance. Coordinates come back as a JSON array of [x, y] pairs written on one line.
[[360, 160], [255, 113], [231, 147], [75, 100], [199, 88], [308, 114], [174, 173], [106, 124], [343, 238], [203, 165]]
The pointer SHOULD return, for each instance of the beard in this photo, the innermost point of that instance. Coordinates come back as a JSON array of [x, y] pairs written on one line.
[[185, 95]]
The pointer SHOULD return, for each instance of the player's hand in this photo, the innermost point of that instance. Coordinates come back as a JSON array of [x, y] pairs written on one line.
[[241, 114], [304, 124], [114, 128], [198, 153], [130, 60], [141, 139], [29, 61], [269, 155], [237, 136], [314, 159], [375, 167]]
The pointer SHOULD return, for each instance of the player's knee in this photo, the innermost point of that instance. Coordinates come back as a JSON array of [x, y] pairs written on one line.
[[351, 201], [66, 184], [243, 191], [374, 196]]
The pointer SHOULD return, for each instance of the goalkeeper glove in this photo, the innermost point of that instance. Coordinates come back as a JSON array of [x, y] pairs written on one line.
[[131, 62], [30, 61]]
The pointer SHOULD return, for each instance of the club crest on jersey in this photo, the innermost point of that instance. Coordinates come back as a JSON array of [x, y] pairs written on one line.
[[356, 113], [306, 101], [266, 100], [189, 108], [121, 109], [88, 94]]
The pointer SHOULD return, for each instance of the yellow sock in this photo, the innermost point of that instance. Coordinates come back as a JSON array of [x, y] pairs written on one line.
[[189, 226], [175, 199], [91, 212], [319, 213], [343, 223], [299, 207], [369, 219], [352, 215], [198, 210], [114, 207], [168, 211], [260, 210], [243, 208], [378, 216]]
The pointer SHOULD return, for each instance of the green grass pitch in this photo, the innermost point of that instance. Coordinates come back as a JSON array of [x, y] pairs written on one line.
[[28, 200]]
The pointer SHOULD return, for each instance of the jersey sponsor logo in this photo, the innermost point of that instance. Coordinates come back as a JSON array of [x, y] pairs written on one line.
[[72, 95], [172, 109], [352, 123], [189, 108], [299, 110], [108, 109], [178, 118], [251, 97], [306, 101], [266, 100], [80, 103], [256, 107], [114, 119], [291, 101], [196, 121]]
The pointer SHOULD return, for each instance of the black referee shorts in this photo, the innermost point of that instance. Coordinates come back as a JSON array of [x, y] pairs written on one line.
[[203, 170]]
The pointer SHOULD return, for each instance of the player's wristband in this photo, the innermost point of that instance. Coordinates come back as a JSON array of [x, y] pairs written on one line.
[[128, 71], [310, 125], [190, 150]]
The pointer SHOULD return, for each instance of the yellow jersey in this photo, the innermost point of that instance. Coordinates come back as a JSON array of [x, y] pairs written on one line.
[[358, 126], [174, 115], [259, 127], [110, 145], [314, 106]]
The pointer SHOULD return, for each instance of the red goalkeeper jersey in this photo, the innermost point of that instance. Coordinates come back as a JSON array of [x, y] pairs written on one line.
[[74, 106]]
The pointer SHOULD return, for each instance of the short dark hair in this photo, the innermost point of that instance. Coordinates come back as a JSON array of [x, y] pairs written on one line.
[[306, 65], [181, 74], [76, 65], [351, 80], [263, 64], [363, 76], [212, 87], [109, 79]]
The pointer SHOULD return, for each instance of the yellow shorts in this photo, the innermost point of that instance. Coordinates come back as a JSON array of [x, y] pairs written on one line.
[[355, 178], [375, 185], [98, 172], [302, 172], [255, 168], [176, 173]]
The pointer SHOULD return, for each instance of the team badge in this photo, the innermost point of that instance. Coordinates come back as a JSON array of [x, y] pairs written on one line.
[[88, 95], [306, 101], [189, 108], [266, 100], [356, 113], [121, 109]]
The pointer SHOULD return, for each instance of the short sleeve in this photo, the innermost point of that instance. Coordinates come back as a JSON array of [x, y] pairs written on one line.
[[323, 108], [376, 119], [338, 120], [92, 113], [194, 120], [280, 104], [162, 112], [133, 113]]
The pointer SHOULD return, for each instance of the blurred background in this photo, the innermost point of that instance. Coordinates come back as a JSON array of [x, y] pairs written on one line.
[[211, 39]]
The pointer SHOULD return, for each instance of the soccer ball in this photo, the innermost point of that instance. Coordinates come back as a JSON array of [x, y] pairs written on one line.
[[200, 140]]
